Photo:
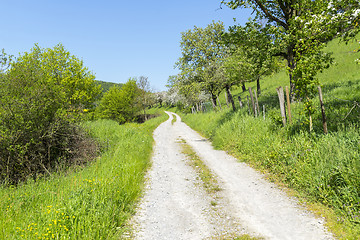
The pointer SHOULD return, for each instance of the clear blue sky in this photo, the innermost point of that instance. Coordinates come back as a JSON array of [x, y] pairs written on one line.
[[115, 39]]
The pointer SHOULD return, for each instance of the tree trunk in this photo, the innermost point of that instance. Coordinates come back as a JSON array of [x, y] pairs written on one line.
[[240, 102], [291, 65], [243, 87], [258, 89], [229, 97], [213, 100], [227, 100], [145, 114], [219, 102]]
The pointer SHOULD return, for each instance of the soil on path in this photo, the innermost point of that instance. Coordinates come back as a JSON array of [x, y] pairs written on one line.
[[175, 206]]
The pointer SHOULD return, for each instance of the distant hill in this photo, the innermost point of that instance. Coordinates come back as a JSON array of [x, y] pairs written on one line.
[[107, 85]]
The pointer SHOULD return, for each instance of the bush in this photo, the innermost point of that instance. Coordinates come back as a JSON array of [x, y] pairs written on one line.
[[120, 104], [41, 95]]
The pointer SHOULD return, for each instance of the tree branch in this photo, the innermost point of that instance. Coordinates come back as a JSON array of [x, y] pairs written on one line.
[[260, 5]]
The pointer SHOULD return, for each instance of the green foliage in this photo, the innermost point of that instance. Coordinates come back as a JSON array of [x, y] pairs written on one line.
[[65, 74], [41, 95], [91, 203], [252, 53], [300, 29], [120, 104]]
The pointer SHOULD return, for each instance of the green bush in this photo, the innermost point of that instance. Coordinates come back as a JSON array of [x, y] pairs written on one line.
[[41, 96], [120, 104]]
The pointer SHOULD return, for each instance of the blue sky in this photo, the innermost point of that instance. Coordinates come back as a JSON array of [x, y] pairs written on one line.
[[115, 39]]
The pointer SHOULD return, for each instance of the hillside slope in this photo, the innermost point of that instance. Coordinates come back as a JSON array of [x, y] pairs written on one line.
[[324, 170]]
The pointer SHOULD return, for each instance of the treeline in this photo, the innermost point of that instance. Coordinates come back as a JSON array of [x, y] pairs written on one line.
[[44, 94], [283, 34], [107, 85]]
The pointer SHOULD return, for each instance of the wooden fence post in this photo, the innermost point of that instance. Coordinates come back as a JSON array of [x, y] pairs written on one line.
[[252, 101], [248, 102], [322, 111], [288, 103], [219, 102], [257, 102], [264, 111], [280, 93], [227, 100], [240, 102]]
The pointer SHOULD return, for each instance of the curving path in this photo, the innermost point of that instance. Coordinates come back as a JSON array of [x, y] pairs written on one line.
[[176, 207]]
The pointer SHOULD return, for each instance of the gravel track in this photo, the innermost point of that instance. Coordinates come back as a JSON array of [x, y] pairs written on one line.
[[175, 206]]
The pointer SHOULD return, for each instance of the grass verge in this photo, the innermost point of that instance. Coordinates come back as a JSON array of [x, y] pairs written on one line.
[[322, 169], [91, 203]]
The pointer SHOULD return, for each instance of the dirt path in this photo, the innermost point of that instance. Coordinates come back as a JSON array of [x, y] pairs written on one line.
[[176, 207]]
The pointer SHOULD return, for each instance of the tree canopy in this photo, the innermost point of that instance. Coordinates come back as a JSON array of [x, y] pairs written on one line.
[[202, 52], [301, 28]]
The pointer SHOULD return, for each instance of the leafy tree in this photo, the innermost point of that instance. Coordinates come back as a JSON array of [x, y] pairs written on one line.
[[64, 73], [301, 29], [202, 50], [145, 98], [121, 104], [253, 46], [184, 91], [173, 96]]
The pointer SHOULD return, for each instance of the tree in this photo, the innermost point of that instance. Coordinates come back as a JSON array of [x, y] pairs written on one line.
[[301, 29], [120, 104], [72, 83], [146, 95], [236, 71], [202, 49], [254, 46]]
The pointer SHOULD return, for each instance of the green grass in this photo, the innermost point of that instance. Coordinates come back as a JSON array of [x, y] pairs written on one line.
[[94, 202], [322, 170]]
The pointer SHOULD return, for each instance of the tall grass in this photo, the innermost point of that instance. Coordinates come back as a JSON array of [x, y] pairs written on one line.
[[90, 203], [321, 168]]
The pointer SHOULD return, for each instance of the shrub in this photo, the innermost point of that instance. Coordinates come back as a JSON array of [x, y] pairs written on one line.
[[41, 95], [120, 104]]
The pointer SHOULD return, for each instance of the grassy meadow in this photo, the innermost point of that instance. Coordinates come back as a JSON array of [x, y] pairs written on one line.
[[322, 170], [94, 202]]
